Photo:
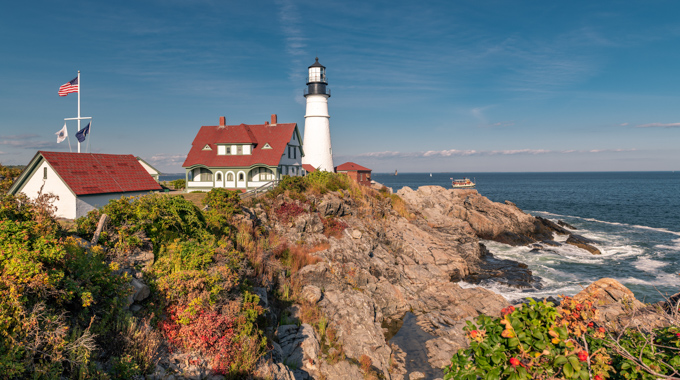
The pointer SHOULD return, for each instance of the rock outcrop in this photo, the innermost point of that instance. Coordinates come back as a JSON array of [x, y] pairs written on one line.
[[619, 308], [385, 264]]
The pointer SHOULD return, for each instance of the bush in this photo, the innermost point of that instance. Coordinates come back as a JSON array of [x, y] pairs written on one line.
[[56, 295], [178, 184], [160, 217], [540, 341]]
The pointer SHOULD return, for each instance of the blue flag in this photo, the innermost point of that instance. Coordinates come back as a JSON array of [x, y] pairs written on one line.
[[82, 133]]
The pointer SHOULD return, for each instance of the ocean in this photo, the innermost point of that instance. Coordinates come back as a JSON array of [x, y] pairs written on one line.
[[633, 216]]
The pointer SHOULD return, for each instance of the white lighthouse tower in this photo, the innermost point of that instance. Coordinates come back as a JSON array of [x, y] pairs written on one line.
[[317, 140]]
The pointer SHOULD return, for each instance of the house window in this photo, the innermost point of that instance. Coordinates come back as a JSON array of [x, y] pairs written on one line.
[[228, 150], [294, 152], [240, 176], [219, 176], [288, 151], [44, 173], [230, 176], [239, 149]]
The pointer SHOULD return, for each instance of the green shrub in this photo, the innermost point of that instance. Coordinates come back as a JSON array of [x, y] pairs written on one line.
[[178, 184], [56, 295]]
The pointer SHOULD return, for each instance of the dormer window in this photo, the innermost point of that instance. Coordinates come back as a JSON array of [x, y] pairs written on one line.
[[239, 149], [267, 146], [207, 147]]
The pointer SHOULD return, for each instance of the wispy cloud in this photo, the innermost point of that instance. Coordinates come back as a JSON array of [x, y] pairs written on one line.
[[659, 125], [170, 160], [26, 141], [460, 153]]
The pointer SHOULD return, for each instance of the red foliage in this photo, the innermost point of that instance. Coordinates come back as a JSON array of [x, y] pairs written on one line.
[[514, 362], [288, 210], [333, 227], [209, 332], [507, 310]]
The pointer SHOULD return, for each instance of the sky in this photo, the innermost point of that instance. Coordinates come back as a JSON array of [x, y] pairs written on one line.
[[431, 86]]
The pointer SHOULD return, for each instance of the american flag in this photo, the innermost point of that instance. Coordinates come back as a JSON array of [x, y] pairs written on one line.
[[69, 87]]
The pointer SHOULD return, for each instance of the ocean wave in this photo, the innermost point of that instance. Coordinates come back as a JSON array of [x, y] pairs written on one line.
[[636, 226]]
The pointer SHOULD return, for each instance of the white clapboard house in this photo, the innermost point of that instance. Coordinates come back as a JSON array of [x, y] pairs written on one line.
[[244, 156], [83, 181]]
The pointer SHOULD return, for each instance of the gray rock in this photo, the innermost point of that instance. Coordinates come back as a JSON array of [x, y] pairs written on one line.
[[299, 347], [311, 294], [356, 234], [141, 290], [583, 243], [416, 375]]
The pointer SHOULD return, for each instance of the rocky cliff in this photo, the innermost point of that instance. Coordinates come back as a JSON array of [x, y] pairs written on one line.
[[388, 263]]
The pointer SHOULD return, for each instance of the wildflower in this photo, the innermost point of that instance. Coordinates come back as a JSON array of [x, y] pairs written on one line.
[[590, 324], [601, 329], [582, 356], [598, 377], [514, 362], [473, 333], [678, 335]]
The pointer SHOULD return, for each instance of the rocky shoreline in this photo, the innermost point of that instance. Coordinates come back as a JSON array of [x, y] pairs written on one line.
[[386, 265]]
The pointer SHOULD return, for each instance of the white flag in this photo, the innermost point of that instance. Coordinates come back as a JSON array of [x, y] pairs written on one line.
[[62, 134]]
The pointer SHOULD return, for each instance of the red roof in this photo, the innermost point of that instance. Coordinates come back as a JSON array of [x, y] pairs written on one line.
[[308, 168], [276, 135], [350, 167], [92, 173]]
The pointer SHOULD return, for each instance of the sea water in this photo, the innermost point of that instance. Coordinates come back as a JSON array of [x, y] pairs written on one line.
[[634, 217]]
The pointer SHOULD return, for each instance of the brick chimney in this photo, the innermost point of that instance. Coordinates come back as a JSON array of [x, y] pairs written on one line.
[[274, 119], [223, 121]]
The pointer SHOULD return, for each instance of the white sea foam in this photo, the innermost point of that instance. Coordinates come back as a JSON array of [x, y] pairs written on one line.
[[648, 265], [674, 247]]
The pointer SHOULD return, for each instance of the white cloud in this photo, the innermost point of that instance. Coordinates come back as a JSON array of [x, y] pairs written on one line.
[[659, 125], [460, 153]]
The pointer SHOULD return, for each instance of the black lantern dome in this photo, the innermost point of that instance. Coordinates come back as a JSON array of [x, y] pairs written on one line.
[[316, 81]]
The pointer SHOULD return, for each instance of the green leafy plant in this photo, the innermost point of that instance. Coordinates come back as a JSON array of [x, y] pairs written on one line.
[[541, 341]]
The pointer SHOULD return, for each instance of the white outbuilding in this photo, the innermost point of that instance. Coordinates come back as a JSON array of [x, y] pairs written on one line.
[[83, 181]]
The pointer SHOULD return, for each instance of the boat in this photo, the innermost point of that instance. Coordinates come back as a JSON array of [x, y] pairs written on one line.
[[395, 172], [462, 183]]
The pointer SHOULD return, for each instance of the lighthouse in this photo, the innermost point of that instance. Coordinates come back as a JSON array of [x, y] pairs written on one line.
[[317, 139]]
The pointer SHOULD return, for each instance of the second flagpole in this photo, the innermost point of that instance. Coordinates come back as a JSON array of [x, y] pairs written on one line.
[[79, 88]]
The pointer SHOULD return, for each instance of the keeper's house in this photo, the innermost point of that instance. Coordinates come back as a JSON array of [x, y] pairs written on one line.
[[358, 173], [83, 181], [243, 157]]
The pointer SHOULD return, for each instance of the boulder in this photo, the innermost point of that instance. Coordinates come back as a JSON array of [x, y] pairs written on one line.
[[619, 308], [311, 293], [299, 348], [583, 243], [141, 290]]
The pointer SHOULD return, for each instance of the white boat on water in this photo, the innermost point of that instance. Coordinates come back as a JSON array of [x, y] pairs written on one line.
[[462, 183]]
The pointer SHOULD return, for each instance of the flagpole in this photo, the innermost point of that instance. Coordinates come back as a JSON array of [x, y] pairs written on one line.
[[79, 88], [89, 132]]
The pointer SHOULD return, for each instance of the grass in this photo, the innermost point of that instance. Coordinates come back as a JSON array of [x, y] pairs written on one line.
[[195, 198]]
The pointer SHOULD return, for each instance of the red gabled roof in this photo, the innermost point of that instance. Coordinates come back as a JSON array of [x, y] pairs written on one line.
[[308, 168], [93, 173], [277, 136], [350, 167]]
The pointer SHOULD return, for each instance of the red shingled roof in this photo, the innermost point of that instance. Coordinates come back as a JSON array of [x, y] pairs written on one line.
[[277, 136], [92, 173], [309, 168], [349, 167]]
